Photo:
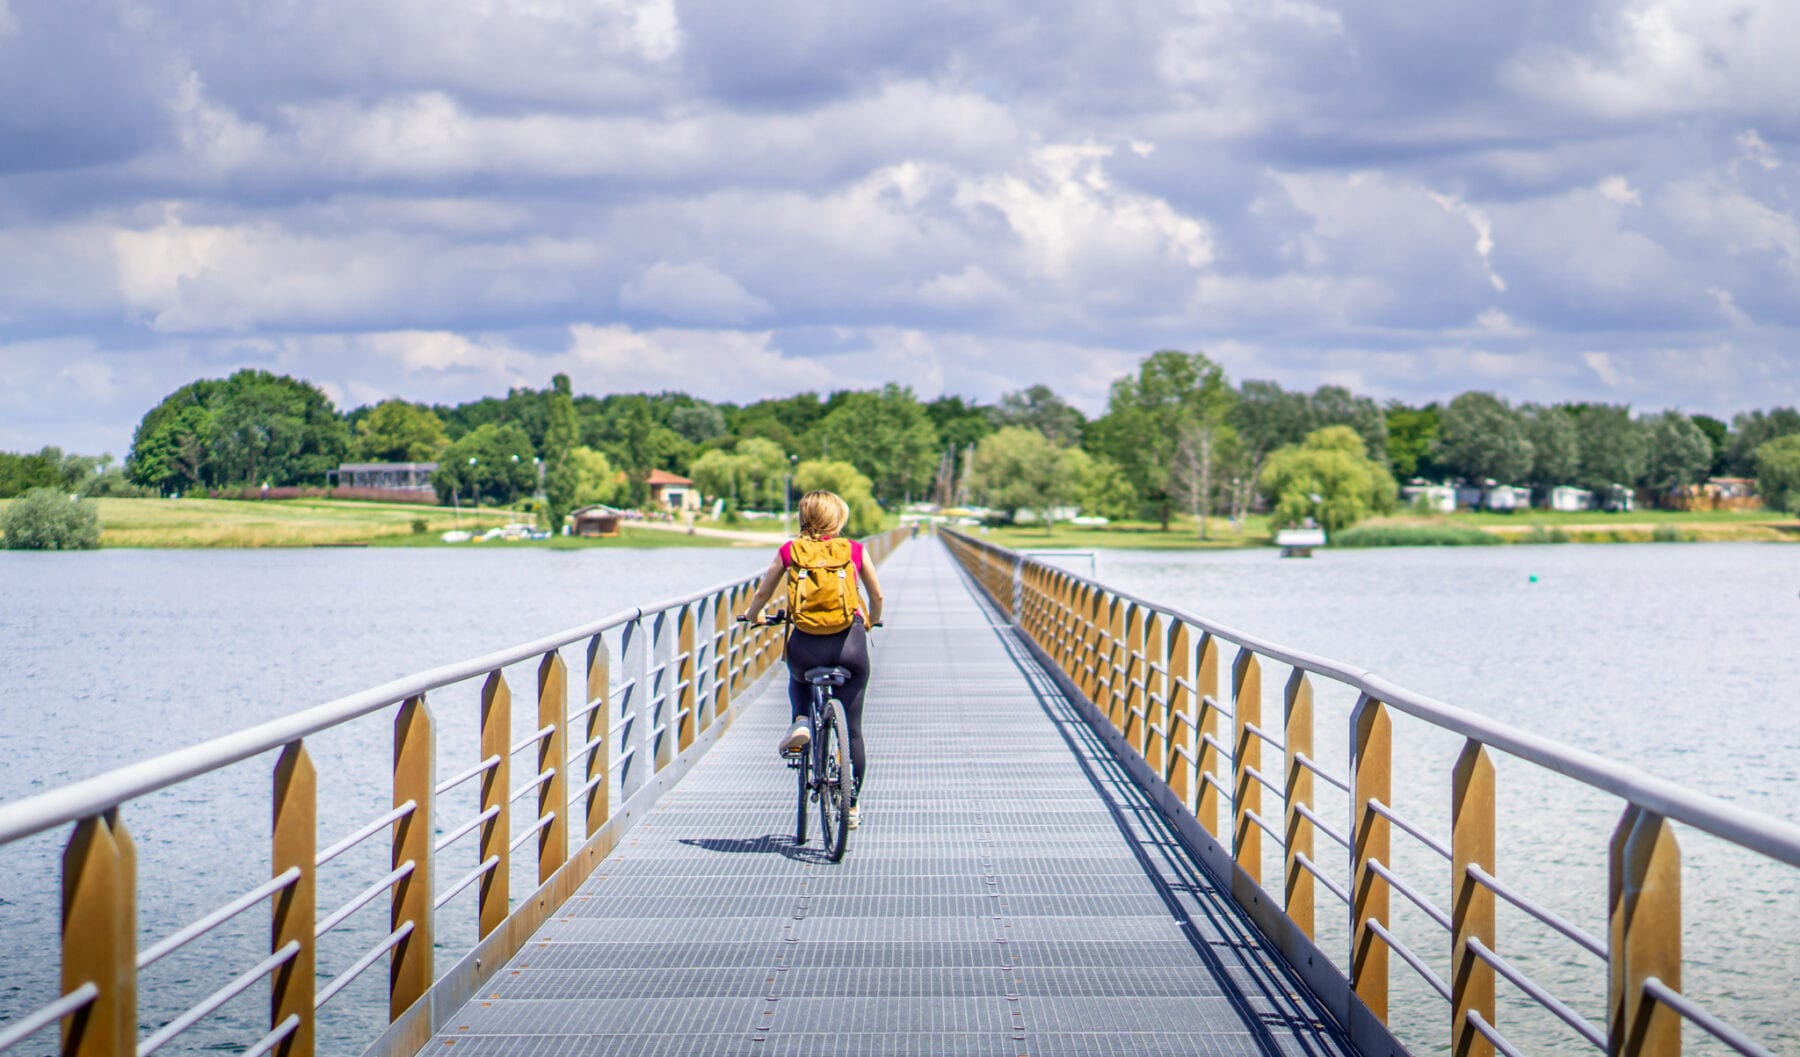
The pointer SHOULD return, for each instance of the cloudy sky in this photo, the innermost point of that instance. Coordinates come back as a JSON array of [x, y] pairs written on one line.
[[1553, 199]]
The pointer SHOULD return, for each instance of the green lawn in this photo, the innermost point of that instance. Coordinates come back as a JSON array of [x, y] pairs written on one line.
[[1183, 534]]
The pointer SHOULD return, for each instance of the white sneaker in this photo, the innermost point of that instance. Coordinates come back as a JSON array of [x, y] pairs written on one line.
[[855, 817], [797, 739]]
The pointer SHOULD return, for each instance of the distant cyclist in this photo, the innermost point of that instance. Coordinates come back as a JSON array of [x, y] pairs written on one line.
[[827, 578]]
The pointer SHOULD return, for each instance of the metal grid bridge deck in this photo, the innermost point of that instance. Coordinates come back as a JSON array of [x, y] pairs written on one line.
[[1010, 892]]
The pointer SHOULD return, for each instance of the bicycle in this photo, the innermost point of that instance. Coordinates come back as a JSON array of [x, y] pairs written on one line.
[[822, 769]]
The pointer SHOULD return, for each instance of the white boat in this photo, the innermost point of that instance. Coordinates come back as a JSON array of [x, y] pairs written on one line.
[[1299, 542]]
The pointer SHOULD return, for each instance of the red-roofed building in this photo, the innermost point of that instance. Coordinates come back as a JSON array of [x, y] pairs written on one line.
[[672, 491]]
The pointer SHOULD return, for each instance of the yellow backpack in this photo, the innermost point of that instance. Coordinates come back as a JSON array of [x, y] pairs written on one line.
[[822, 596]]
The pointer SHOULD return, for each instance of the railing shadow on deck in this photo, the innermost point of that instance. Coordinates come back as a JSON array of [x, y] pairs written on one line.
[[661, 684], [1150, 675]]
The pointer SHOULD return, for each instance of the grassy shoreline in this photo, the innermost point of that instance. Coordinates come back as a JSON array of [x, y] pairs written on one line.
[[233, 523]]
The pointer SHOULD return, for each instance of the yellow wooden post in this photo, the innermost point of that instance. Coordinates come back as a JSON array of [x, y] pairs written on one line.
[[494, 892], [1246, 752], [1206, 689], [99, 937], [685, 700], [598, 736], [1471, 902], [296, 838], [409, 969], [1132, 678], [1067, 650], [721, 656], [553, 760], [1155, 747], [1297, 740], [1372, 779], [1646, 932], [1178, 771], [1115, 661], [1088, 659]]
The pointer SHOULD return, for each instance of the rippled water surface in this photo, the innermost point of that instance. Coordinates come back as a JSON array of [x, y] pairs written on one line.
[[1679, 659]]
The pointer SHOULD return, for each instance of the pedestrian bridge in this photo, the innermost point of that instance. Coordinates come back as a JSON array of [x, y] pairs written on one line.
[[1081, 836]]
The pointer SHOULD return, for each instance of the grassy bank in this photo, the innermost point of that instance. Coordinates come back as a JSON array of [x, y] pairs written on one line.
[[1183, 534], [206, 523]]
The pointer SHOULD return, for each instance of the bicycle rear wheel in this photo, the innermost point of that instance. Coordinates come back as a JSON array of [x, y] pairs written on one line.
[[804, 784], [835, 781]]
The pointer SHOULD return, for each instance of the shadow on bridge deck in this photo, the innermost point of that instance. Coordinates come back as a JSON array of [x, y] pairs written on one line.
[[1010, 891]]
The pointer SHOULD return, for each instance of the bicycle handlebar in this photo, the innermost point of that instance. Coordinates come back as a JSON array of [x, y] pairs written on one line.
[[782, 618]]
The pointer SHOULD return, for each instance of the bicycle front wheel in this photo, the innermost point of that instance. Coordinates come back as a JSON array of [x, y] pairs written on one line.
[[835, 781]]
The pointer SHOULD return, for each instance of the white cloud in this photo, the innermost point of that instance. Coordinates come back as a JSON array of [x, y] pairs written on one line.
[[1602, 365], [1484, 233], [1617, 189], [1756, 149], [692, 293]]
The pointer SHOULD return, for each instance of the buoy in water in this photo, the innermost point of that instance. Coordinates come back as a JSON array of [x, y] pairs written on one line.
[[1534, 578]]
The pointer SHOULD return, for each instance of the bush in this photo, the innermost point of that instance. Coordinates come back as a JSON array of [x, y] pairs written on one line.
[[1540, 534], [1414, 536], [46, 519], [1669, 534], [419, 526]]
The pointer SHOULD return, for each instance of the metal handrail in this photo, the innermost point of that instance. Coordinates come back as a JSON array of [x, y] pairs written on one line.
[[1773, 837], [1103, 627]]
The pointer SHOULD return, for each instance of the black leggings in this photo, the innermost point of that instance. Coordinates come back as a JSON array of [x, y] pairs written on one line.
[[847, 649]]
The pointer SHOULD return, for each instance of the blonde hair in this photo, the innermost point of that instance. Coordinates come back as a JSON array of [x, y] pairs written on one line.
[[822, 514]]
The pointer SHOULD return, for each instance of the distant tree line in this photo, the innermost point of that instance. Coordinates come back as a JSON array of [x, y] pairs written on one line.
[[1177, 437]]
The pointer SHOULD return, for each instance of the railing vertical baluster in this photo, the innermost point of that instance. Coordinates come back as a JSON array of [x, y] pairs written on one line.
[[1154, 747], [1246, 752], [409, 970], [1471, 902], [1131, 673], [633, 715], [1068, 628], [1088, 666], [1206, 688], [1114, 660], [1371, 768], [553, 760], [1296, 739], [493, 897], [1645, 925], [99, 937], [721, 657], [661, 702], [1177, 770], [598, 733], [685, 673], [295, 846]]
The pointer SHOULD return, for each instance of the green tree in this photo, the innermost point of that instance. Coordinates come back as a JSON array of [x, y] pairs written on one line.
[[21, 473], [275, 429], [1328, 477], [1751, 430], [398, 431], [562, 434], [1019, 468], [595, 479], [1613, 448], [1412, 434], [1267, 417], [1104, 489], [851, 486], [1778, 473], [1718, 434], [886, 435], [1555, 451], [1334, 405], [492, 464], [1678, 451], [698, 423], [1145, 415], [1039, 408], [49, 519], [1482, 436]]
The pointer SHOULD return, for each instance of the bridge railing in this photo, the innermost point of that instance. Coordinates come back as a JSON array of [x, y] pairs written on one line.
[[659, 684], [1190, 721]]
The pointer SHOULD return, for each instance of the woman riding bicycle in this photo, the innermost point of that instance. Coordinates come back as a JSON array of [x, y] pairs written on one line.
[[827, 577]]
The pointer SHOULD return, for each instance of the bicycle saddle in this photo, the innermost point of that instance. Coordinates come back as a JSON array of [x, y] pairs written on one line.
[[829, 676]]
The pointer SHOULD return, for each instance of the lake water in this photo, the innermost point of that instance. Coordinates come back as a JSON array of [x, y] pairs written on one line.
[[1680, 659]]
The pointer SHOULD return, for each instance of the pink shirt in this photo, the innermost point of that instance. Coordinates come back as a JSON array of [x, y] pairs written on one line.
[[856, 555]]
